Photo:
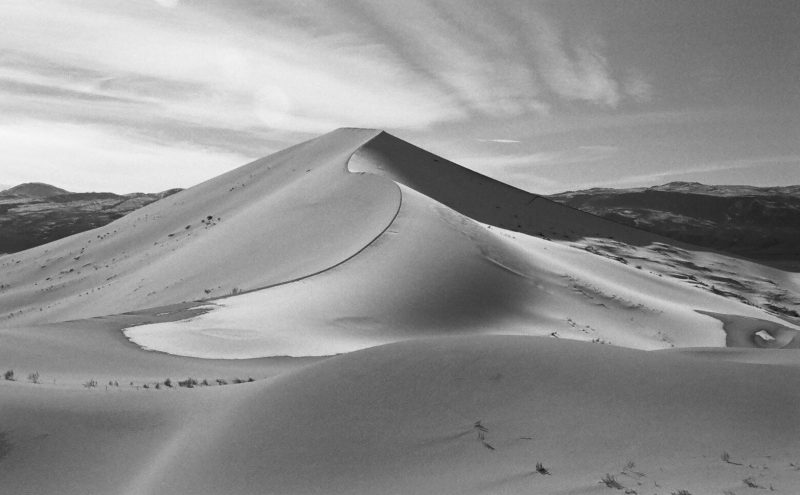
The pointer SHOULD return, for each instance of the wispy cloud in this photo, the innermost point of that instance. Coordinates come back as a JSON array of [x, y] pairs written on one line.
[[77, 156], [499, 141], [584, 76], [759, 170], [163, 71], [534, 171]]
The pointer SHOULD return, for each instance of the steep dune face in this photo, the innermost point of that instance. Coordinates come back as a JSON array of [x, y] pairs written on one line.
[[482, 198], [277, 219]]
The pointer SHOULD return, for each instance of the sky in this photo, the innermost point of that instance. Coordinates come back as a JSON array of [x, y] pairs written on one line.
[[146, 95]]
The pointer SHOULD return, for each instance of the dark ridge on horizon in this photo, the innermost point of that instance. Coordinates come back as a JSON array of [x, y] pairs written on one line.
[[761, 223]]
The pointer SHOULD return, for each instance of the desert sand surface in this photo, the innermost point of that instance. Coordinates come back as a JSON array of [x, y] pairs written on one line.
[[409, 326]]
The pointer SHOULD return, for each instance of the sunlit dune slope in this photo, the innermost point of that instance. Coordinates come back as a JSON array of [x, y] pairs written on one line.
[[280, 218]]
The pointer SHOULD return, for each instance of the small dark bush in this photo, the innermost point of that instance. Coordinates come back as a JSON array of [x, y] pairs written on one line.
[[188, 383], [33, 377], [168, 383], [9, 375], [611, 482]]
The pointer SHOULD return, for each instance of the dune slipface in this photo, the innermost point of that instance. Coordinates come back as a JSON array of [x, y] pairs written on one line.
[[454, 302]]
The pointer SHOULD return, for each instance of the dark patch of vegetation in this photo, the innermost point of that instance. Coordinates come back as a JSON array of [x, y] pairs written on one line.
[[611, 481], [188, 383]]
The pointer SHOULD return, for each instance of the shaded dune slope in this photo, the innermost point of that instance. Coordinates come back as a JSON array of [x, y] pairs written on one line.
[[483, 198]]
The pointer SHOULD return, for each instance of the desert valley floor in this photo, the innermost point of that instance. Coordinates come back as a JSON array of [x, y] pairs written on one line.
[[355, 315]]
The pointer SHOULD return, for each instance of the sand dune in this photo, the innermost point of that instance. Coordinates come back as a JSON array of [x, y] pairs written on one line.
[[455, 302], [284, 217], [402, 419]]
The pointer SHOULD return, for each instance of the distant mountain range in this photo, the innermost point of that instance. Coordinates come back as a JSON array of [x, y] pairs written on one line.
[[762, 223], [34, 213]]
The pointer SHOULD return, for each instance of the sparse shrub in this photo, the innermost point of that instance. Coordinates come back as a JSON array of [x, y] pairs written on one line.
[[188, 383], [238, 380], [91, 383], [236, 291], [750, 482], [250, 379], [541, 469], [158, 386], [148, 386], [33, 377], [9, 375], [480, 429], [168, 383], [220, 381], [611, 482], [681, 492], [204, 383]]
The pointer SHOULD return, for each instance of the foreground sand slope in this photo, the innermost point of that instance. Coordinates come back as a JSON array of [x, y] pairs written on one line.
[[402, 419]]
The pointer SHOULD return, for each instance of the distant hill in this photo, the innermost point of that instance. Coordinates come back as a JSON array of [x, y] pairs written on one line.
[[34, 213], [33, 190], [762, 223]]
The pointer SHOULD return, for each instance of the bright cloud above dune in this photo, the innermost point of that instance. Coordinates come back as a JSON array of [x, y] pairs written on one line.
[[245, 77]]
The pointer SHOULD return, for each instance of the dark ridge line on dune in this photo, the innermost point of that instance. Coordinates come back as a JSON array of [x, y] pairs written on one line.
[[285, 282], [534, 197], [653, 236]]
